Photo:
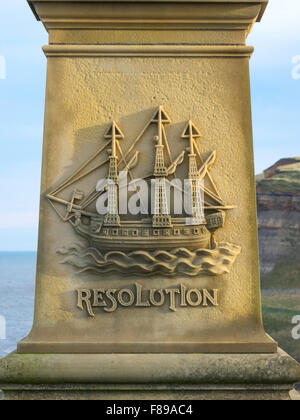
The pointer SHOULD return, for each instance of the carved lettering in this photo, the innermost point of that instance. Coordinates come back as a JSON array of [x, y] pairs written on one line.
[[111, 299], [84, 295], [207, 297], [139, 298], [172, 293], [98, 298], [153, 293], [183, 296], [110, 296], [129, 301], [196, 293]]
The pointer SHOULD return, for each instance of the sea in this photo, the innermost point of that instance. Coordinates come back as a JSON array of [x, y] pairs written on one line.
[[17, 290]]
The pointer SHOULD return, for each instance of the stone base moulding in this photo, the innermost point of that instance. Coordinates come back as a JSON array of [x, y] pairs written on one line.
[[149, 376], [29, 347], [100, 392]]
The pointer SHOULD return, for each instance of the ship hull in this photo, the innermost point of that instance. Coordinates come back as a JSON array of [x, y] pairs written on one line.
[[132, 238]]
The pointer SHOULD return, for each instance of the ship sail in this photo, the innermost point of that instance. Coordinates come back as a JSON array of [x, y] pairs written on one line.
[[161, 217], [191, 133], [112, 217], [172, 168]]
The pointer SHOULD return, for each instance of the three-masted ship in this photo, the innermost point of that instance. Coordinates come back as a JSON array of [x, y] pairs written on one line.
[[161, 230]]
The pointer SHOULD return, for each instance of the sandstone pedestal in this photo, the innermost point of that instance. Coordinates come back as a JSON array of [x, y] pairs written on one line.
[[148, 376], [148, 306]]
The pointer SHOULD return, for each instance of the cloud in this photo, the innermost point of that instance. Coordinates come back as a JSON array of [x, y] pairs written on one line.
[[2, 67]]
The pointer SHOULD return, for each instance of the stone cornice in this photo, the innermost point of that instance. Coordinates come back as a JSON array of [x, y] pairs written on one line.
[[140, 14], [147, 51]]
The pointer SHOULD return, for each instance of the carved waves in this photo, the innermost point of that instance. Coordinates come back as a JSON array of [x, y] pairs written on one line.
[[180, 261]]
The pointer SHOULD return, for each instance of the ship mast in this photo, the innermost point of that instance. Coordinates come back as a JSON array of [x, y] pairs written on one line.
[[161, 217], [191, 132], [112, 218]]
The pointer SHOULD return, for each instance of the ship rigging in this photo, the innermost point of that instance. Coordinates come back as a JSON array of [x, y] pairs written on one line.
[[160, 230]]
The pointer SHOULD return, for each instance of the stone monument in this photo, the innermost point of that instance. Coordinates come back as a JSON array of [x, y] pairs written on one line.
[[148, 273]]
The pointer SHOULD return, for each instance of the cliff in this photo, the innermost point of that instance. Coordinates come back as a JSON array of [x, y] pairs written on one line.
[[278, 200]]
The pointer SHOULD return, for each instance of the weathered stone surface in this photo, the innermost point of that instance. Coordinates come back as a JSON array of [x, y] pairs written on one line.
[[186, 376], [152, 393], [91, 83], [278, 368]]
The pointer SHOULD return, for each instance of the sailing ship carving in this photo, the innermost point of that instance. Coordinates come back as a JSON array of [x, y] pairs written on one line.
[[161, 241]]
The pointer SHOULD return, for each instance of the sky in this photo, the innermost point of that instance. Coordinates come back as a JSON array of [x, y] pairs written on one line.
[[275, 80]]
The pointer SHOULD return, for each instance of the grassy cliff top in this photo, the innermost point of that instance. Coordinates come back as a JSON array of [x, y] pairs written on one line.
[[285, 179], [285, 274]]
